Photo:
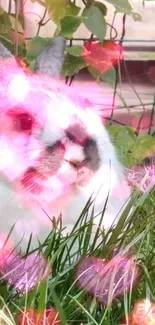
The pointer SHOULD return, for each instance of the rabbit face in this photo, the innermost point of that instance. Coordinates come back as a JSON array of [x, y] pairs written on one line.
[[54, 150], [47, 136]]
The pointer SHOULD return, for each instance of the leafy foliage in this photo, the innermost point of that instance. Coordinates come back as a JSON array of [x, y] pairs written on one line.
[[60, 8], [108, 76], [75, 50], [132, 149], [69, 25], [67, 17], [9, 29], [34, 47], [72, 65], [101, 6]]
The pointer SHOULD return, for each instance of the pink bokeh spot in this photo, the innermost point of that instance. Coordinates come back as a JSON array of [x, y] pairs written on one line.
[[107, 280], [19, 88], [24, 273]]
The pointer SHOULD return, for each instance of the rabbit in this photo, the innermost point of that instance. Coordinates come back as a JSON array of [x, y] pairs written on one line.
[[55, 152]]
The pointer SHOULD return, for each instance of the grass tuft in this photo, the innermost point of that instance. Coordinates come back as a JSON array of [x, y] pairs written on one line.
[[133, 237]]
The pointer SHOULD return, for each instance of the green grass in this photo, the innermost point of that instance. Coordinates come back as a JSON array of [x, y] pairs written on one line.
[[134, 235]]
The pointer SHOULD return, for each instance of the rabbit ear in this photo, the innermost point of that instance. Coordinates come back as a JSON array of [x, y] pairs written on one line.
[[4, 52], [50, 60]]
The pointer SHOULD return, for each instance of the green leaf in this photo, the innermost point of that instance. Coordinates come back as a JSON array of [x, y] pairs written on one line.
[[124, 138], [121, 5], [75, 50], [57, 31], [125, 135], [60, 8], [95, 73], [73, 65], [5, 23], [108, 76], [69, 25], [144, 146], [59, 307], [13, 24], [101, 6], [34, 47], [132, 150], [1, 10], [95, 22], [43, 296]]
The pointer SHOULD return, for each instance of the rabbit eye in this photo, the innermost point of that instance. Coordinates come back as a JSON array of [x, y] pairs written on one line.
[[23, 122]]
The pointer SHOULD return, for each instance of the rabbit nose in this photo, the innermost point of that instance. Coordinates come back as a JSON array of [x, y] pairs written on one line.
[[74, 163], [74, 155]]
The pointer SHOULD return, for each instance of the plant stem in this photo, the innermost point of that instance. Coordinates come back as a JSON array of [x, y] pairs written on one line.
[[40, 24], [84, 2], [152, 115], [17, 11], [9, 7]]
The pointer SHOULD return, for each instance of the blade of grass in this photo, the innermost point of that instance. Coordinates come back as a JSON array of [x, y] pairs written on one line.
[[59, 307], [43, 296], [83, 309]]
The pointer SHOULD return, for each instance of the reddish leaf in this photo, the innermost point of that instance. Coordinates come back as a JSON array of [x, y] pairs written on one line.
[[102, 56]]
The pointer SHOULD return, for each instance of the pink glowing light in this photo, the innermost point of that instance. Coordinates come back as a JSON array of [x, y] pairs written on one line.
[[18, 88], [95, 97], [106, 280]]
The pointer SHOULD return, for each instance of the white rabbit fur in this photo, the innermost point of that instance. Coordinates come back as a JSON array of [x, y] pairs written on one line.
[[72, 169]]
